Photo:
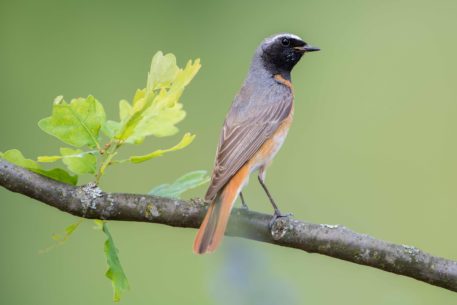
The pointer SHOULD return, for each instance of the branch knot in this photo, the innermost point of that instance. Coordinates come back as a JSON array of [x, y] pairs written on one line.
[[280, 227]]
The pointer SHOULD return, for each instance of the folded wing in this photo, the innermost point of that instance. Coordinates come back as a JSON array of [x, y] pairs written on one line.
[[248, 125]]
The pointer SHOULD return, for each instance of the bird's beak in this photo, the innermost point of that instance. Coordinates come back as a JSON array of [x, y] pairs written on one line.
[[306, 49]]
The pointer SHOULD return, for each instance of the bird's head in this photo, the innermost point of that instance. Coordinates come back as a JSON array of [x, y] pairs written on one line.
[[280, 53]]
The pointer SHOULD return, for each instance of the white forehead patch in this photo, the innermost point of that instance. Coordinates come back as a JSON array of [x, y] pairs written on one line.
[[288, 35]]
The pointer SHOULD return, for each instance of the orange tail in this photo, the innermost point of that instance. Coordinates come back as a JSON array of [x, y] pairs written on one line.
[[212, 229]]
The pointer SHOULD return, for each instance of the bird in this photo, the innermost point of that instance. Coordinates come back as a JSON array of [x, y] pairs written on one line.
[[253, 132]]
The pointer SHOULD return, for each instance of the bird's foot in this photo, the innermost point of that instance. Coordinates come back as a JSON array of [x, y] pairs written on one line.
[[244, 206], [276, 216]]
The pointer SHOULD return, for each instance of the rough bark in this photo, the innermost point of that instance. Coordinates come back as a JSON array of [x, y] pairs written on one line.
[[332, 240]]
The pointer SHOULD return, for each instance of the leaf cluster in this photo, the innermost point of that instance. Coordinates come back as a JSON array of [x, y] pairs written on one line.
[[93, 142]]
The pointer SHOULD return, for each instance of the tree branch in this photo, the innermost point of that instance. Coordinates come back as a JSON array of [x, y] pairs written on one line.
[[332, 240]]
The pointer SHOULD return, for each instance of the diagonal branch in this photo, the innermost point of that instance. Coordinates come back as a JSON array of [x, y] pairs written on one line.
[[336, 241]]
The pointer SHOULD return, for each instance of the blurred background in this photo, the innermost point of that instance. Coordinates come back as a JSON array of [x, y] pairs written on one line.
[[372, 147]]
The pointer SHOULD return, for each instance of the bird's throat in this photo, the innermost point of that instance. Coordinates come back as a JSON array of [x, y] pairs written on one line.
[[283, 80]]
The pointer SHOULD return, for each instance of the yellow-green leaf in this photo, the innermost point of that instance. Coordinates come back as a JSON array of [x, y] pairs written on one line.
[[185, 141], [125, 110], [156, 109], [129, 125], [111, 128], [159, 119], [16, 157], [163, 71], [76, 123], [58, 174], [185, 76], [79, 162], [48, 159], [138, 99]]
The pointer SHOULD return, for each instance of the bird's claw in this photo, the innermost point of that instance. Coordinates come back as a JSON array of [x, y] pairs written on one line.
[[278, 215]]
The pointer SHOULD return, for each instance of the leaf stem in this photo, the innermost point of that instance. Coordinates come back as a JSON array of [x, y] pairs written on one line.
[[107, 157]]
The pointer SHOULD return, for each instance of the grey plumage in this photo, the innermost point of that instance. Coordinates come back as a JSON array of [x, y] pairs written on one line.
[[256, 112]]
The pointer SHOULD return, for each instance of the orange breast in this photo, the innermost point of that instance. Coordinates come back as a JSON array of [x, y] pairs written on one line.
[[271, 146]]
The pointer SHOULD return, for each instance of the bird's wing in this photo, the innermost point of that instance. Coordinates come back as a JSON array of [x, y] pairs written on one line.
[[247, 126]]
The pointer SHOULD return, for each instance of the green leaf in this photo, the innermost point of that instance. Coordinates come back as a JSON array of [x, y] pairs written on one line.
[[185, 141], [115, 272], [62, 238], [182, 184], [59, 175], [156, 110], [16, 157], [129, 116], [159, 119], [77, 123], [111, 128], [79, 162], [141, 103], [125, 110], [163, 71]]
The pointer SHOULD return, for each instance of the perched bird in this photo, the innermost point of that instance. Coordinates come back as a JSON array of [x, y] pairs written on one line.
[[253, 132]]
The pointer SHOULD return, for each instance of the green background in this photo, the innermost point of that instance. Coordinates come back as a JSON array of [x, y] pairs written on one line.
[[372, 147]]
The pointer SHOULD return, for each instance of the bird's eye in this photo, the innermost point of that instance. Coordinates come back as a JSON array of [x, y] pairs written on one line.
[[285, 42]]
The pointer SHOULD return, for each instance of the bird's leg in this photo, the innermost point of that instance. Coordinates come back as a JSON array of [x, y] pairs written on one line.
[[243, 203], [277, 212], [275, 207]]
